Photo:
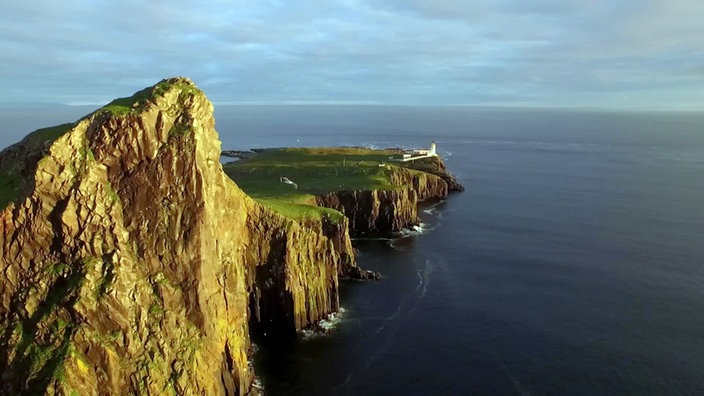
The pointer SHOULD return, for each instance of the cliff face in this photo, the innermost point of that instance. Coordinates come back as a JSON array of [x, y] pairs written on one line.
[[386, 211], [293, 269], [436, 166], [132, 264]]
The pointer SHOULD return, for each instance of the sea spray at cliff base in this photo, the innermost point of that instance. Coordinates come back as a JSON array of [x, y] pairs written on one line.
[[574, 270], [571, 267], [132, 263], [131, 226]]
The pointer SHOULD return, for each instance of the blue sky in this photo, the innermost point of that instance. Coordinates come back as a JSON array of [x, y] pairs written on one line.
[[638, 54]]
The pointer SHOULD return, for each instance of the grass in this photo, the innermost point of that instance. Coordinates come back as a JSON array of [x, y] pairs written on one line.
[[123, 106], [44, 336], [295, 210], [180, 129], [316, 171], [136, 102], [50, 134], [111, 192], [11, 184]]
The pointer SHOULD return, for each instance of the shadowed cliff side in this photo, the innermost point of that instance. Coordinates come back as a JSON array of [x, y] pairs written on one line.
[[386, 211], [437, 167], [132, 264], [375, 196]]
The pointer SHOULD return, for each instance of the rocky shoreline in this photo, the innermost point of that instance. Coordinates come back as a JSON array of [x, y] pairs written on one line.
[[132, 264]]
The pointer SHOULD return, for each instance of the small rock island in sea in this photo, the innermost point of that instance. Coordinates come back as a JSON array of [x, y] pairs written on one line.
[[133, 264]]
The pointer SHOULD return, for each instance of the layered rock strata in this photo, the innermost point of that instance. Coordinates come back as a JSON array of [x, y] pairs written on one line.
[[386, 211], [131, 264], [436, 166]]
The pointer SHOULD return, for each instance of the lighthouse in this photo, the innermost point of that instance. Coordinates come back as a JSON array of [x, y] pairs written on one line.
[[432, 148]]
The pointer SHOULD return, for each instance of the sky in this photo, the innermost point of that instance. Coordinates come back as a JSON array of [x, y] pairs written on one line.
[[632, 54]]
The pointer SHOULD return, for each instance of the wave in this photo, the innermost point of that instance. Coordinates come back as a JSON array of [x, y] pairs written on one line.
[[372, 239], [324, 327], [409, 233], [418, 229], [257, 384], [433, 209], [405, 309], [424, 278]]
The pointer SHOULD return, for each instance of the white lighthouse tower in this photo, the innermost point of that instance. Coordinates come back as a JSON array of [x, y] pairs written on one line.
[[433, 147]]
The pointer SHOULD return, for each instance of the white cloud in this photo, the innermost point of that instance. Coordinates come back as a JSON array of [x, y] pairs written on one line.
[[446, 51]]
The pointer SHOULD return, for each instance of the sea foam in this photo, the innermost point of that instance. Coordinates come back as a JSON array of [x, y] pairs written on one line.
[[324, 326]]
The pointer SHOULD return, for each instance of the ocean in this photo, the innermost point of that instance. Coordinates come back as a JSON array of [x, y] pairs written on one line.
[[573, 264]]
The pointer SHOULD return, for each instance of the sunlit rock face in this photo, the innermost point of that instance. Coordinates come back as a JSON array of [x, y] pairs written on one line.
[[132, 264], [387, 211]]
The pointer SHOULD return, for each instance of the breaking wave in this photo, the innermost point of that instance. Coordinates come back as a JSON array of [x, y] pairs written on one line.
[[414, 230], [324, 326]]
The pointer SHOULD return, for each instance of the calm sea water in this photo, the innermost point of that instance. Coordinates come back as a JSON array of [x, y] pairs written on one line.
[[573, 264]]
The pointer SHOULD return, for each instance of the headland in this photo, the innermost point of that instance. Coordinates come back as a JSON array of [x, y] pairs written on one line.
[[377, 190], [132, 263]]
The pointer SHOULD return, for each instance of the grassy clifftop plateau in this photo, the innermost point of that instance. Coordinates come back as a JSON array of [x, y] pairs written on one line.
[[131, 264], [314, 171], [358, 182]]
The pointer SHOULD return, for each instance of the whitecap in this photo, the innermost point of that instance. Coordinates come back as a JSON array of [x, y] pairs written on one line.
[[331, 321], [431, 210], [392, 244], [371, 239], [324, 327], [257, 384], [417, 229]]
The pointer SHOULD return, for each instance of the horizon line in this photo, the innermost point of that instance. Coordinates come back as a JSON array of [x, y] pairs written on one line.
[[488, 105]]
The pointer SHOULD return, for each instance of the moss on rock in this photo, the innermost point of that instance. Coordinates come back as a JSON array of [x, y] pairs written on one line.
[[132, 264]]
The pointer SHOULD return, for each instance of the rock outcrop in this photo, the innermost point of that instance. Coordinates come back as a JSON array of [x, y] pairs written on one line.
[[386, 211], [132, 264], [436, 166]]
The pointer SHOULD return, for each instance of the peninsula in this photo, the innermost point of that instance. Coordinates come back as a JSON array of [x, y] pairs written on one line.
[[377, 190], [132, 263]]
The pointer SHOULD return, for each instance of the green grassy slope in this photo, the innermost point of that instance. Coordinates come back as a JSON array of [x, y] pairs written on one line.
[[11, 183], [315, 171]]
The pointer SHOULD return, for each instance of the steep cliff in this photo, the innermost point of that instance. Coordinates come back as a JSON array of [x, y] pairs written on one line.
[[384, 211], [436, 166], [132, 264], [377, 197], [294, 269]]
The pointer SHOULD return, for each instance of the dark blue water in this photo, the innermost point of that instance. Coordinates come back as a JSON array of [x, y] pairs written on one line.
[[573, 264]]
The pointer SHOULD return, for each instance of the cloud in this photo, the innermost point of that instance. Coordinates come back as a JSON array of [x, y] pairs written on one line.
[[543, 52]]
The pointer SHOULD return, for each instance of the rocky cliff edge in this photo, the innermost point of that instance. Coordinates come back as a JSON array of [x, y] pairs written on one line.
[[388, 211], [132, 264]]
